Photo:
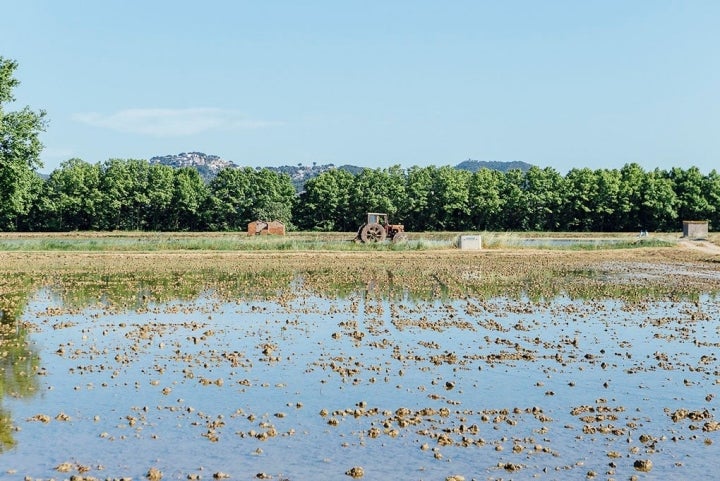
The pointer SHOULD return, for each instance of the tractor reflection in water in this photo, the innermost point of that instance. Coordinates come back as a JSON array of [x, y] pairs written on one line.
[[377, 229]]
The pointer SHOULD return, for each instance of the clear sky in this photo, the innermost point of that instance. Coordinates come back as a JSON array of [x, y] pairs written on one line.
[[562, 84]]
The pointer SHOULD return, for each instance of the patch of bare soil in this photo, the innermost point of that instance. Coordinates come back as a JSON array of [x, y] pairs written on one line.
[[703, 246]]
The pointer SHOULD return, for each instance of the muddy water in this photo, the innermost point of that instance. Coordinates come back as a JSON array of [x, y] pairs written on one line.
[[308, 388]]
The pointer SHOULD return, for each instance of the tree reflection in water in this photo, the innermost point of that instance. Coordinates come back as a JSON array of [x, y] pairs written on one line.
[[18, 368]]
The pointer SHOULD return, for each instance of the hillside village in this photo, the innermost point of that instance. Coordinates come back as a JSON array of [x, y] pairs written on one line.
[[209, 165]]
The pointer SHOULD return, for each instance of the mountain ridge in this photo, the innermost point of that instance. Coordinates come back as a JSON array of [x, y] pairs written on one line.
[[208, 165]]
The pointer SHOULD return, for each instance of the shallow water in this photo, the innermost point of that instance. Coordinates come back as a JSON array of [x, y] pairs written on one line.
[[307, 387]]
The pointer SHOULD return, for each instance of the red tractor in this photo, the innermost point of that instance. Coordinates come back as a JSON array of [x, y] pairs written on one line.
[[377, 229]]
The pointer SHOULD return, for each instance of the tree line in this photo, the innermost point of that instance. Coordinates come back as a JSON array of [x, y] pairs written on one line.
[[131, 194], [539, 199]]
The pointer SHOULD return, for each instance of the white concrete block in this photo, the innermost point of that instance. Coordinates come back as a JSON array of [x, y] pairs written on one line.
[[470, 242]]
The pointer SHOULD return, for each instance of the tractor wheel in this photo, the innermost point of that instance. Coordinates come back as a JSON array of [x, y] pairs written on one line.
[[373, 232], [358, 236], [400, 237]]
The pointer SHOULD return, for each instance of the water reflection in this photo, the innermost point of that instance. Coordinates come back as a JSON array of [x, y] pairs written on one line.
[[465, 377], [305, 387], [18, 372], [119, 291]]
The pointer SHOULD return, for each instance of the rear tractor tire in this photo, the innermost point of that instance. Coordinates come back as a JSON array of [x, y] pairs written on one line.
[[373, 232], [400, 237]]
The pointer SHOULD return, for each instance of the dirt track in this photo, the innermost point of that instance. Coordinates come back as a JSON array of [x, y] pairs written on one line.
[[702, 246]]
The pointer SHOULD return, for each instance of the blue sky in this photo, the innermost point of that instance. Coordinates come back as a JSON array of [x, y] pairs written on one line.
[[559, 84]]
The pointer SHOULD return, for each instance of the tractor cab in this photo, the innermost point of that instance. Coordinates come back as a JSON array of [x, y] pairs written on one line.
[[377, 218]]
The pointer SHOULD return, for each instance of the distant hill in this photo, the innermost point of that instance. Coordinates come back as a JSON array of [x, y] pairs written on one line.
[[207, 165], [475, 165], [299, 174], [210, 165]]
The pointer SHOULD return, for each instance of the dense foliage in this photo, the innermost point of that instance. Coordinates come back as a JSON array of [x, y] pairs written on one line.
[[136, 195], [128, 194], [444, 198], [20, 149]]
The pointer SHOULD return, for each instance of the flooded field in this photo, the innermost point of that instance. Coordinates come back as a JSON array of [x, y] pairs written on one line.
[[312, 387], [412, 366]]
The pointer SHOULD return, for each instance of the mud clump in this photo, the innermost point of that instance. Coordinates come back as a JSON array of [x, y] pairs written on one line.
[[154, 474], [355, 472]]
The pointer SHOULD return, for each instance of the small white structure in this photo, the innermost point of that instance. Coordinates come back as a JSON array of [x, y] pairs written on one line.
[[695, 229], [470, 242]]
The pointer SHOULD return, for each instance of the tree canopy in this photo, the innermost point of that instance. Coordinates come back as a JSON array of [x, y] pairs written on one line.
[[20, 149], [444, 198], [132, 194]]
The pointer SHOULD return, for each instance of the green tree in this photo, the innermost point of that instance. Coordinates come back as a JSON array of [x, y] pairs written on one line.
[[688, 186], [711, 192], [607, 203], [20, 149], [325, 203], [450, 199], [512, 190], [160, 189], [581, 198], [229, 201], [417, 210], [376, 190], [189, 195], [633, 182], [73, 196], [273, 196], [239, 196], [659, 202], [126, 187], [544, 198], [485, 200], [646, 200]]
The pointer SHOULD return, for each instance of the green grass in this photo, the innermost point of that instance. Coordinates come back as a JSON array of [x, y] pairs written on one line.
[[158, 242], [212, 243], [573, 241]]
